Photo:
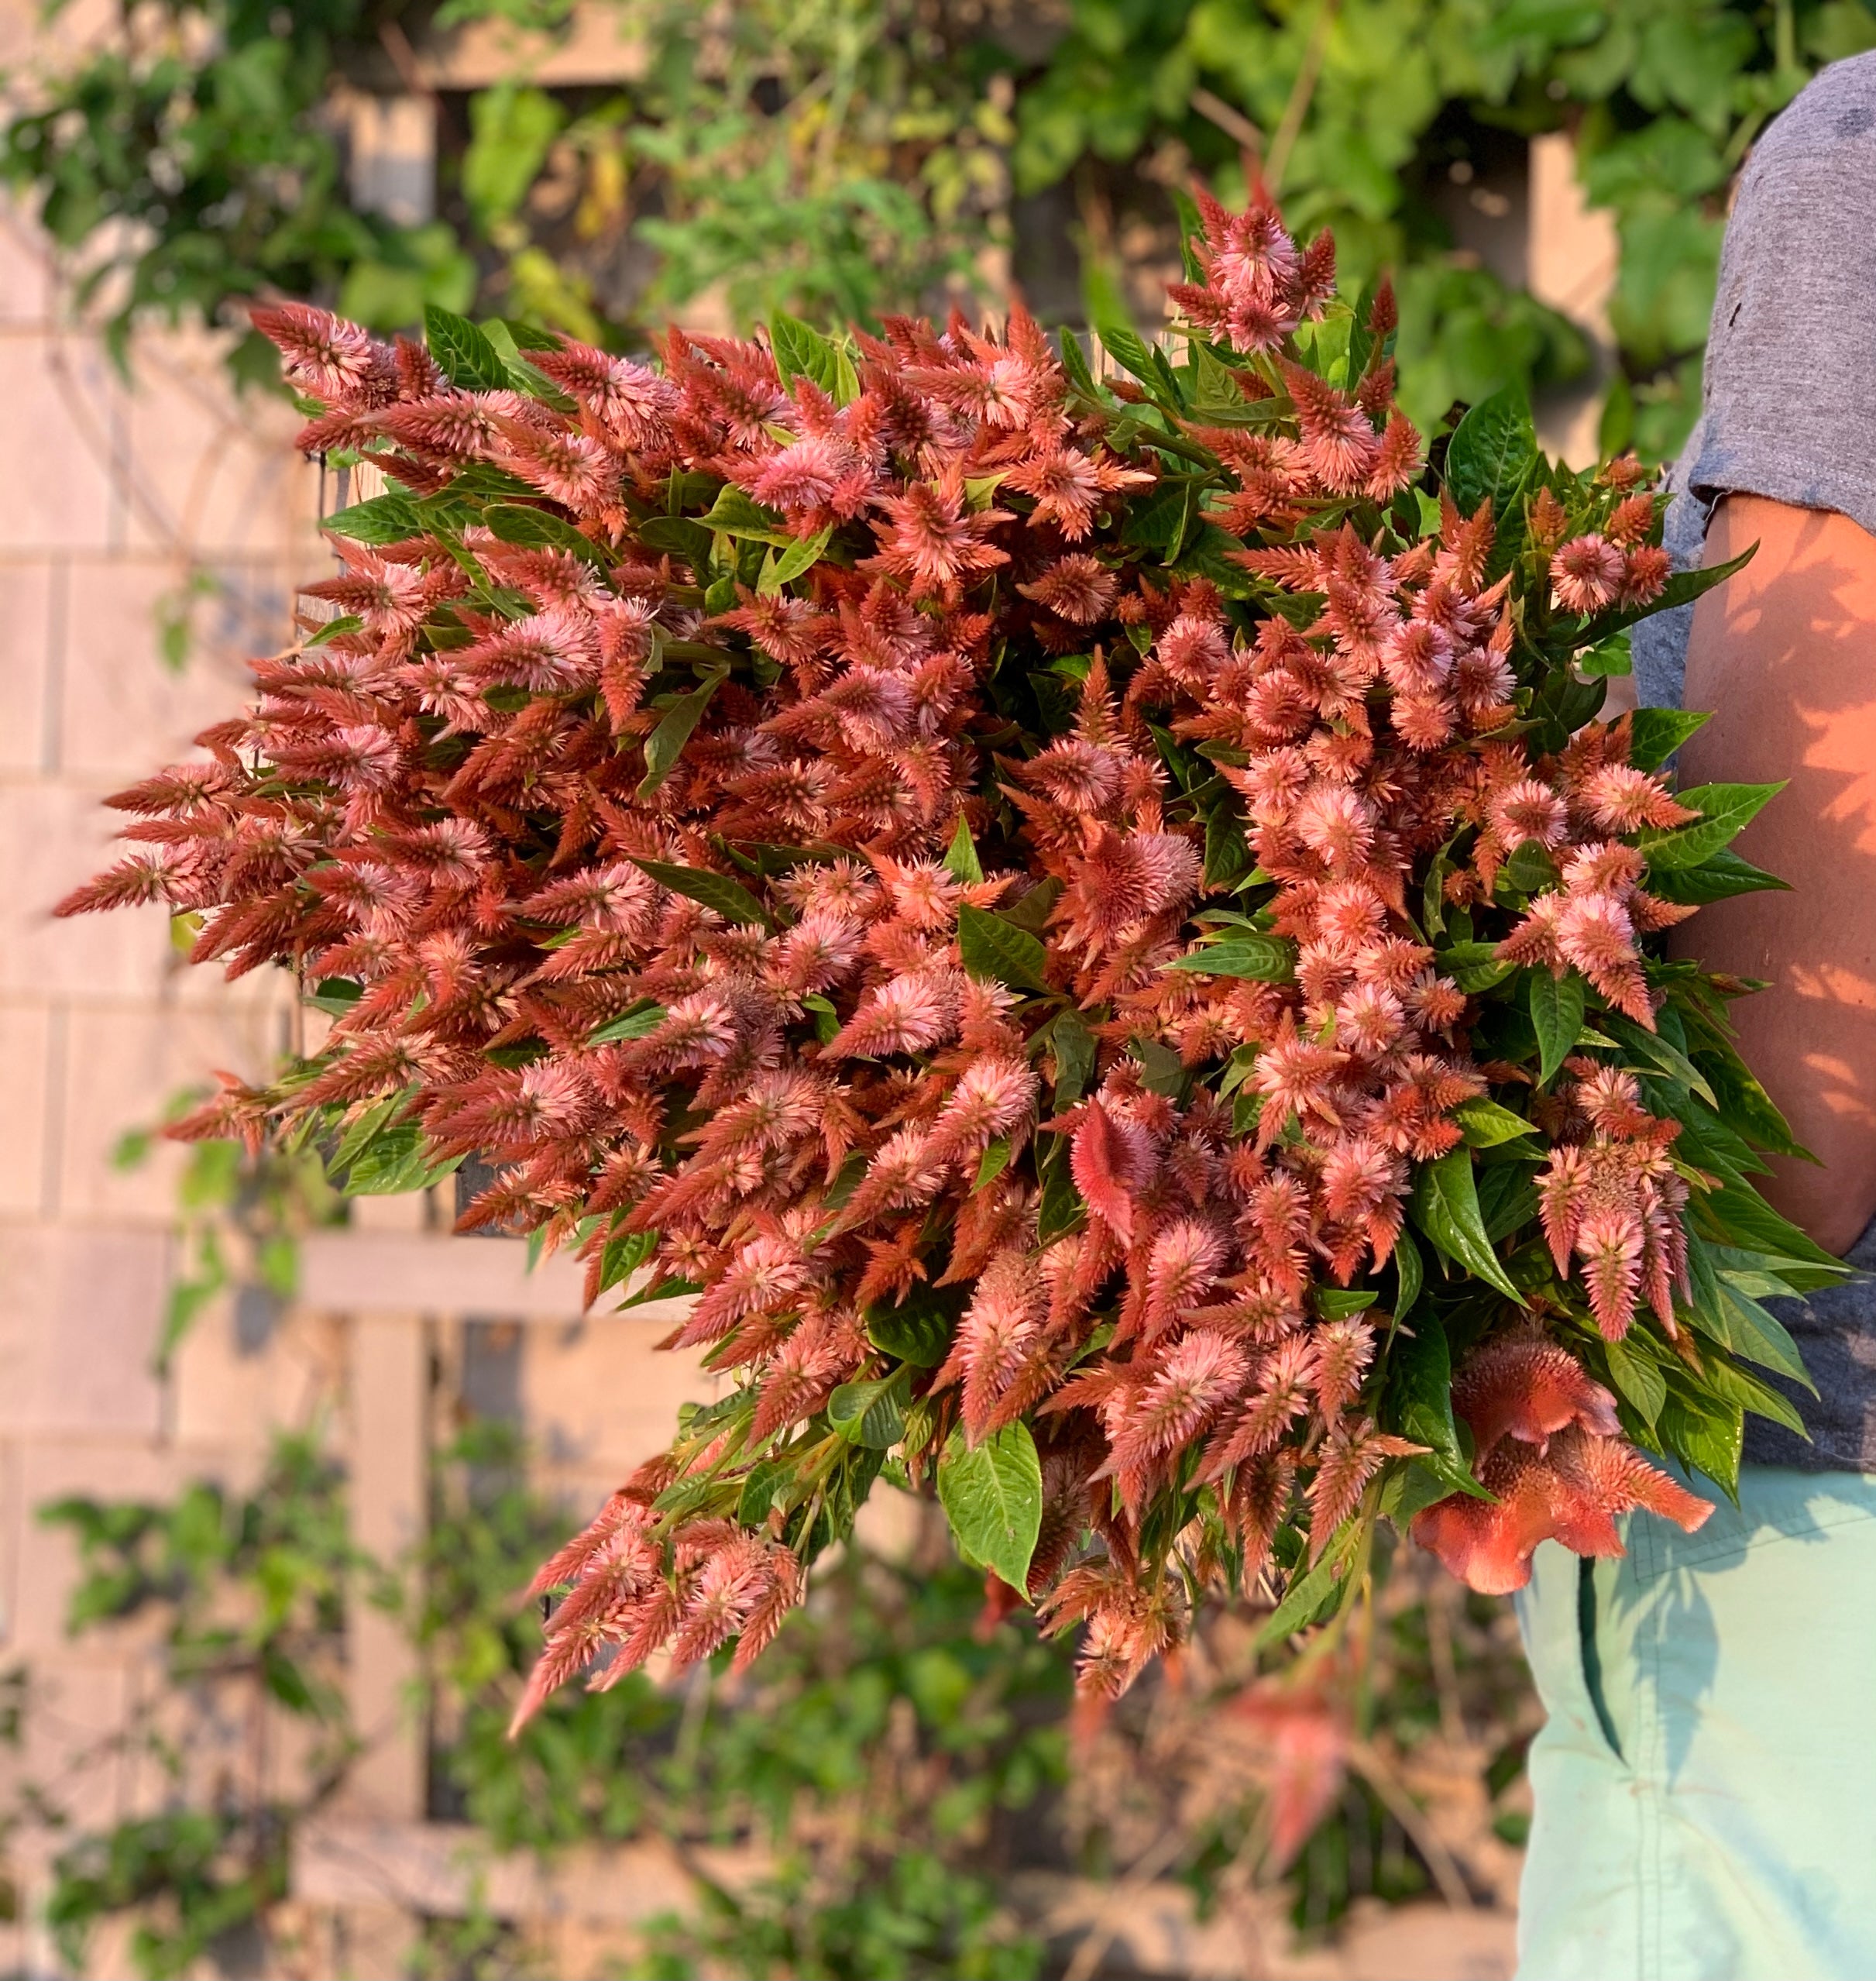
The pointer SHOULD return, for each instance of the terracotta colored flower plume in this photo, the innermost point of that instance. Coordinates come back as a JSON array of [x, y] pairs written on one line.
[[1092, 926]]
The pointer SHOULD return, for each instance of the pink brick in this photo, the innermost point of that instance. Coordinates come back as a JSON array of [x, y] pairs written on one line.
[[25, 635], [600, 1396], [25, 1047], [60, 418], [123, 1068], [52, 837], [80, 1312], [122, 713], [215, 474]]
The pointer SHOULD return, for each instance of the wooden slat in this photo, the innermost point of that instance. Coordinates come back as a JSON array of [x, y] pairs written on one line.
[[376, 1272]]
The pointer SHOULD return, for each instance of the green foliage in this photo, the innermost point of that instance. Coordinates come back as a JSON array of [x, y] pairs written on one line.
[[840, 158], [251, 1595]]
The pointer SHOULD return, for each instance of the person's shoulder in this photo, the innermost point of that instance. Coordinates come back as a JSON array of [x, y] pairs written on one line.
[[1837, 107]]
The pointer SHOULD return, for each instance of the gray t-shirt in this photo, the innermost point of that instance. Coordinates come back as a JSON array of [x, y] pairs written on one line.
[[1789, 412]]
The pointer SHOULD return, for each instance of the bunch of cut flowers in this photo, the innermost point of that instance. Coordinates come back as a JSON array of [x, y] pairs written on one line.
[[1082, 910]]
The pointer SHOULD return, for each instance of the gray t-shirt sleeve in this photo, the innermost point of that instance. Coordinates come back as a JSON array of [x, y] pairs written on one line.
[[1789, 394]]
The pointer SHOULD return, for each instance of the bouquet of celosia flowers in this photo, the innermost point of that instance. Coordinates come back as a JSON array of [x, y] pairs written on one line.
[[1091, 924]]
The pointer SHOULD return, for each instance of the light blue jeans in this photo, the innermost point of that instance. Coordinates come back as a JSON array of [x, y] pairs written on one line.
[[1705, 1781]]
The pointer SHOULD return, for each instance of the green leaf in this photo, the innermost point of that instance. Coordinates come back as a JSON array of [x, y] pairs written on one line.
[[1492, 451], [991, 1164], [960, 859], [1310, 1596], [463, 353], [1445, 1206], [1473, 966], [1162, 1070], [1658, 1051], [1556, 1006], [1682, 588], [801, 556], [1725, 810], [540, 529], [683, 536], [1655, 733], [1243, 953], [665, 744], [732, 901], [1420, 1402], [735, 513], [393, 1162], [1711, 1440], [920, 1329], [1338, 1303], [997, 950], [1072, 1044], [635, 1024], [1410, 1275], [870, 1414], [1637, 1380], [1740, 1387], [802, 352], [1485, 1124], [993, 1498], [826, 1018], [384, 519], [1727, 873]]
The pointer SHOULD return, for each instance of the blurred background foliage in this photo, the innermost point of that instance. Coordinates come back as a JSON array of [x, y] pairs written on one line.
[[844, 158], [894, 1791]]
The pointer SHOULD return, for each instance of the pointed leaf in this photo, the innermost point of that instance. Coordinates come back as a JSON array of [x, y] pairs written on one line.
[[384, 519], [1072, 1044], [1556, 1006], [734, 902], [993, 1498], [1445, 1206], [1492, 451], [920, 1329], [996, 951], [1655, 733], [1725, 810], [540, 529], [1727, 873], [665, 744], [463, 353], [1260, 958], [960, 859]]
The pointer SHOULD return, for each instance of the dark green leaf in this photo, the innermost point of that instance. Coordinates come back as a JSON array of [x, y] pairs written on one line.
[[872, 1414], [1638, 1382], [993, 1498], [1420, 1402], [683, 536], [384, 519], [1492, 453], [636, 1024], [734, 902], [1727, 873], [737, 514], [1072, 1044], [1446, 1207], [1310, 1596], [463, 353], [665, 744], [1655, 733], [1682, 588], [918, 1331], [1710, 1440], [994, 949], [1410, 1275], [1473, 966], [1243, 953], [960, 859], [1556, 1006], [1485, 1124], [1725, 810], [540, 529]]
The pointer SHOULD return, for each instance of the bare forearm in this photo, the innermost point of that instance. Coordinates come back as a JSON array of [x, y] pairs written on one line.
[[1785, 654]]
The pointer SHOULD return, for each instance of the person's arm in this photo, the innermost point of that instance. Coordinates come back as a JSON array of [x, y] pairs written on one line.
[[1785, 654]]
